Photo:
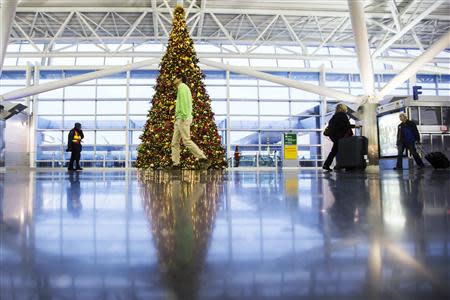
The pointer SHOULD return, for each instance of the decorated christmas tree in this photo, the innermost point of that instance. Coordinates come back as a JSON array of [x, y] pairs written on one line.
[[180, 58]]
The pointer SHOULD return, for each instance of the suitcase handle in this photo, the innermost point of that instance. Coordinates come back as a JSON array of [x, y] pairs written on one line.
[[358, 130], [420, 149]]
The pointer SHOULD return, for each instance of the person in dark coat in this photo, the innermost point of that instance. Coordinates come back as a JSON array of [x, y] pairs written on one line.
[[338, 128], [407, 136], [74, 145], [237, 156]]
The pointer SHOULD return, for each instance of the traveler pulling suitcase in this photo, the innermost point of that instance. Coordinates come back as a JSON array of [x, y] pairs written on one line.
[[352, 153], [437, 159]]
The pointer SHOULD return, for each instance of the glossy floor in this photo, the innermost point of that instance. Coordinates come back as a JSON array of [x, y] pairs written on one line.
[[212, 235]]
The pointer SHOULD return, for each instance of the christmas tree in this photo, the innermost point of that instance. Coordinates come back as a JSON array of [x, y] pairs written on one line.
[[180, 58]]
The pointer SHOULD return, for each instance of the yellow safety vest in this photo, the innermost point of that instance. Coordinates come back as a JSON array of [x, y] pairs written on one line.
[[76, 138]]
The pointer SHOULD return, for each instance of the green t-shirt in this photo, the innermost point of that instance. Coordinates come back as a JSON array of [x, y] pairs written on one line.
[[183, 108]]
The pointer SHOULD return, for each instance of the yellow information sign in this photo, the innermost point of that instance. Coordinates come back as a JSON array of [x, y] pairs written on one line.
[[290, 146], [290, 152]]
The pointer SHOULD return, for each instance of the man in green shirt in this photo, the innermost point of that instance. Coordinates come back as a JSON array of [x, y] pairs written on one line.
[[182, 129]]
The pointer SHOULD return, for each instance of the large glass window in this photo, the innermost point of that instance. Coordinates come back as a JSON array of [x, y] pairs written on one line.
[[249, 112], [111, 107]]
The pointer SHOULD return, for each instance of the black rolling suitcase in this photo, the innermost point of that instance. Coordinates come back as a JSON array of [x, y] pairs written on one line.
[[437, 159], [352, 153]]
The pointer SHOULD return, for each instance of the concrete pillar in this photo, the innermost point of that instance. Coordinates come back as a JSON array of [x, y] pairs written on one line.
[[370, 130]]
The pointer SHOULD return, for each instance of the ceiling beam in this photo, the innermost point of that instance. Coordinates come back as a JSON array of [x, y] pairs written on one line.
[[131, 30], [294, 35], [261, 35], [80, 16], [7, 13], [352, 57], [316, 89], [332, 33], [407, 28], [226, 32], [232, 11], [59, 32], [57, 84], [415, 65]]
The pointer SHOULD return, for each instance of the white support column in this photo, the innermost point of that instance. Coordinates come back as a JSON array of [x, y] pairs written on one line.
[[415, 65], [28, 80], [320, 90], [37, 89], [155, 19], [33, 140], [323, 111], [228, 122], [7, 14], [202, 18], [358, 20], [127, 120]]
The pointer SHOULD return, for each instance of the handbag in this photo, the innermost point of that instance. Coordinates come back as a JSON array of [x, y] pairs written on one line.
[[326, 132]]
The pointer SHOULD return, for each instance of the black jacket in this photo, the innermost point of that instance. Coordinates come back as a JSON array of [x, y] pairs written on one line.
[[412, 126], [70, 144], [339, 126]]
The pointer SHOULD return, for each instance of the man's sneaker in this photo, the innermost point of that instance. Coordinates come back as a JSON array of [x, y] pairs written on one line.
[[176, 167], [79, 169], [327, 169], [70, 169]]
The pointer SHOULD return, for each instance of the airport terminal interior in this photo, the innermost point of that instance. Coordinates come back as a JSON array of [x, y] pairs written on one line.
[[266, 215]]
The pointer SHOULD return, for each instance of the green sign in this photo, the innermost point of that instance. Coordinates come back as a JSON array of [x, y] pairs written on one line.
[[290, 146], [290, 139]]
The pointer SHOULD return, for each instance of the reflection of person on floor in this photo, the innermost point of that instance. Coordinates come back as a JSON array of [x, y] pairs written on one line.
[[184, 199], [184, 228], [411, 196], [350, 201], [237, 157], [407, 137], [74, 195], [74, 145]]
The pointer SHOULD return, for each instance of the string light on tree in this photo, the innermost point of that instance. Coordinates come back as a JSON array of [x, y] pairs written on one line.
[[180, 58]]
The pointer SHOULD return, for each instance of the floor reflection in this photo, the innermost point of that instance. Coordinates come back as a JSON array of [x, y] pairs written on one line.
[[237, 235], [181, 209], [74, 205]]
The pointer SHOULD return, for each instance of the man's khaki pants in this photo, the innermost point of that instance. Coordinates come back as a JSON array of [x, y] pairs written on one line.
[[182, 130]]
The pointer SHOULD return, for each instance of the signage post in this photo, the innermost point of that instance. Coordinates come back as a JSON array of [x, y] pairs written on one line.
[[290, 156]]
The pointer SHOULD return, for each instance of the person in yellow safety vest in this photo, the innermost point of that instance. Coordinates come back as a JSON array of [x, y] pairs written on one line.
[[74, 145]]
